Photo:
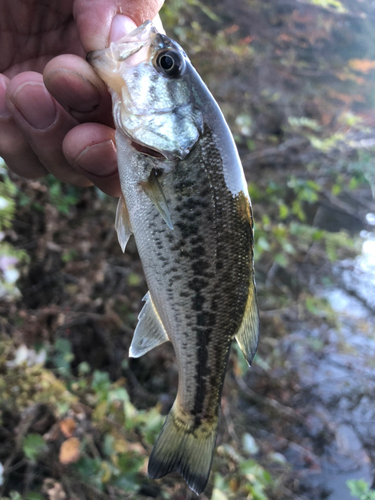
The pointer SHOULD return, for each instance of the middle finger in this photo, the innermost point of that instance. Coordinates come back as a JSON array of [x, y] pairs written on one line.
[[76, 86]]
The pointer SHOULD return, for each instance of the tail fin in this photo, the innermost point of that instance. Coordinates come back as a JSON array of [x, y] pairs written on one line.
[[185, 447]]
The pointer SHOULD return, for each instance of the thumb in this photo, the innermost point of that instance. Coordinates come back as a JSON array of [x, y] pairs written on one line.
[[94, 19]]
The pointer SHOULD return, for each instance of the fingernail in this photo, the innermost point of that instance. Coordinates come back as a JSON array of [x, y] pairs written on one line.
[[35, 104], [121, 26], [86, 96], [99, 160], [4, 111]]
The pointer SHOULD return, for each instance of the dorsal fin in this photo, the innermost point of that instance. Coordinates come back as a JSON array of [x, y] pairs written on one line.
[[149, 332], [122, 223], [248, 333]]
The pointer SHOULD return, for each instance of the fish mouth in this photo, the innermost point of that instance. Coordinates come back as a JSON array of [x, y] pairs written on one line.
[[124, 49], [129, 47], [141, 148], [145, 33]]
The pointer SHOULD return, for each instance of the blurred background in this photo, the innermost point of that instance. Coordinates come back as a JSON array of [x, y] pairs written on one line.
[[296, 82]]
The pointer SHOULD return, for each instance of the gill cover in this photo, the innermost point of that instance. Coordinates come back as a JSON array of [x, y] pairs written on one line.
[[149, 76]]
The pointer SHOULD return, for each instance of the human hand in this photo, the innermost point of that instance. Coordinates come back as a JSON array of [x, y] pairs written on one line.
[[61, 122]]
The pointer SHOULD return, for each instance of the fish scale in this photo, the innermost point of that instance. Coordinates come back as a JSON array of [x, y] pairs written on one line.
[[185, 199]]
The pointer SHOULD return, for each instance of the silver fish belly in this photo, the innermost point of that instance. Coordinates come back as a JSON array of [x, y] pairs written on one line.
[[185, 199]]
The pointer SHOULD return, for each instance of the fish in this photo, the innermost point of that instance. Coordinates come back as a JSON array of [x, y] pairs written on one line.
[[186, 201]]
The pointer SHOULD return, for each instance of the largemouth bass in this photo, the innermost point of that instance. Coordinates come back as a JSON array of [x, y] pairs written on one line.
[[186, 201]]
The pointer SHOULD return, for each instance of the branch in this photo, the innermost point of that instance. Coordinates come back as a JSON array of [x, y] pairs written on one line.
[[295, 142]]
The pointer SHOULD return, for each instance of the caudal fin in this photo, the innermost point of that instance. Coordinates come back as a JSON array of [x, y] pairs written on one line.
[[186, 448]]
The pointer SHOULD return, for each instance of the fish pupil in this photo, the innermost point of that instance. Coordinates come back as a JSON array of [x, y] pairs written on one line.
[[166, 62]]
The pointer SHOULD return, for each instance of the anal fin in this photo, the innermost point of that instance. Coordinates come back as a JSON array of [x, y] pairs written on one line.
[[122, 223], [248, 333], [149, 332], [154, 191]]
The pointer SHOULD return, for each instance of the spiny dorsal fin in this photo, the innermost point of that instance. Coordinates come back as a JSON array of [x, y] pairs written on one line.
[[154, 191], [248, 333], [149, 332], [122, 223]]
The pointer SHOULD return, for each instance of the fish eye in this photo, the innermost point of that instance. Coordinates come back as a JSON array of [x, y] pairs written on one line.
[[171, 63]]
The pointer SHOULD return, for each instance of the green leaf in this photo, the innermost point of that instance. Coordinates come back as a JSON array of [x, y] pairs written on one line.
[[33, 445], [109, 445], [101, 383], [266, 220], [281, 259], [134, 279], [304, 122], [90, 470], [250, 145], [330, 4], [69, 255], [34, 496], [288, 247], [254, 191], [118, 394], [263, 243], [14, 495], [153, 424], [360, 488], [62, 196], [354, 183], [297, 210], [283, 211], [249, 444], [130, 462], [318, 234], [127, 482], [218, 495], [63, 356], [249, 466], [83, 368]]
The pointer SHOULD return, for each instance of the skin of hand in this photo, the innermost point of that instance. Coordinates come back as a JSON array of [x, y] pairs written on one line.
[[55, 112]]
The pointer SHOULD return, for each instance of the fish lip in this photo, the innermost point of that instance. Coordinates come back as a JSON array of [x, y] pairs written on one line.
[[140, 37], [147, 31], [146, 28]]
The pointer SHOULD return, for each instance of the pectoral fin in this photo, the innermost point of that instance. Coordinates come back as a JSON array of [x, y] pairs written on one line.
[[153, 190], [149, 332], [122, 223], [248, 333]]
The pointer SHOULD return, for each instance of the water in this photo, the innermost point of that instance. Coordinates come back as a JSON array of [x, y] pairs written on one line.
[[324, 374], [341, 378]]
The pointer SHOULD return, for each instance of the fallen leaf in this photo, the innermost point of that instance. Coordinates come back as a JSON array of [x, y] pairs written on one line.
[[232, 29], [53, 433], [55, 491], [70, 451], [68, 427], [362, 65]]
